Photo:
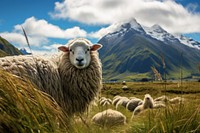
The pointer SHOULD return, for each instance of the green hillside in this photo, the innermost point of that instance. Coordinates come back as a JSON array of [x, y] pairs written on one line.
[[131, 56], [7, 49]]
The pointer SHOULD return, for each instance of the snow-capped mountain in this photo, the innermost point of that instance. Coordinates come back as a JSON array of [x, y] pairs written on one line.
[[119, 29], [131, 48], [188, 41], [156, 32], [159, 33]]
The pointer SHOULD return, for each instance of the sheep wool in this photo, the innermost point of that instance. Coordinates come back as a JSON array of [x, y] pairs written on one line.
[[109, 117], [40, 71], [79, 86], [132, 104]]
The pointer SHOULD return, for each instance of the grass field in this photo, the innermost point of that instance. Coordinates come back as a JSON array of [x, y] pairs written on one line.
[[181, 118], [25, 109]]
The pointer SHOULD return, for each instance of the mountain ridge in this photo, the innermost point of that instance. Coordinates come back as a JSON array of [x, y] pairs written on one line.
[[132, 51]]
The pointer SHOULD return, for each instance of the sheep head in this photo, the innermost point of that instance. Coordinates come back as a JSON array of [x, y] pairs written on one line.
[[79, 52]]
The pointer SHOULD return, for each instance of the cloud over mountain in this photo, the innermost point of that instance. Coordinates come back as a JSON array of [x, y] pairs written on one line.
[[170, 15]]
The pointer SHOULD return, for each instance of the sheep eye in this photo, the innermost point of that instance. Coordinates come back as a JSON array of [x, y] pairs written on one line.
[[87, 50], [71, 51]]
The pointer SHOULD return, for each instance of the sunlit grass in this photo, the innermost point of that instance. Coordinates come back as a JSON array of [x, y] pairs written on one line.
[[23, 108]]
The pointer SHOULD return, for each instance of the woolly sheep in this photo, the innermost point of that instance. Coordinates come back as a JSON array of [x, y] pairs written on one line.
[[105, 101], [116, 97], [176, 100], [158, 104], [147, 103], [124, 87], [109, 117], [123, 101], [115, 100], [74, 81], [124, 82], [132, 104], [102, 98], [162, 98]]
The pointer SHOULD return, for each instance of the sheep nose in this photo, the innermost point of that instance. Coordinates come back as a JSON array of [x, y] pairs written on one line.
[[79, 59]]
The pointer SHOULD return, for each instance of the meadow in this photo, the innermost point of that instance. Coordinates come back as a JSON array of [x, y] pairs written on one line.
[[25, 109]]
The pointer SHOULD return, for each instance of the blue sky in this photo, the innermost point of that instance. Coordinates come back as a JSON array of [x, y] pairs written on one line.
[[50, 23]]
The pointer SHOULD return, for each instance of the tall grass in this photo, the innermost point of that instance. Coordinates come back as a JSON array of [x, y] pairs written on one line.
[[174, 119], [23, 108]]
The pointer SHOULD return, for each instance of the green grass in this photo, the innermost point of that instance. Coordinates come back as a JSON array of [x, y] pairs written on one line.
[[23, 108]]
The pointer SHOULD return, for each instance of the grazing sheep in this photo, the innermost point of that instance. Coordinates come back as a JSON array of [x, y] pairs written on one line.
[[74, 81], [124, 83], [176, 100], [158, 104], [125, 87], [109, 117], [132, 104], [147, 103], [162, 98], [102, 98], [115, 100], [123, 101], [105, 101], [116, 97]]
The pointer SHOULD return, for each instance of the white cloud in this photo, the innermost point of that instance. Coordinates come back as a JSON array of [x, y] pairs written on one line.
[[42, 28], [170, 15], [103, 31], [52, 47], [39, 33], [19, 39]]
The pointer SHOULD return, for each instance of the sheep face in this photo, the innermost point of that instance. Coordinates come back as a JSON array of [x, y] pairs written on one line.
[[148, 101], [79, 52]]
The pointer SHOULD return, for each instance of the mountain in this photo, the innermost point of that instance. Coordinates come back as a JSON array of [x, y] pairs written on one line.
[[188, 41], [131, 50], [7, 49], [24, 52]]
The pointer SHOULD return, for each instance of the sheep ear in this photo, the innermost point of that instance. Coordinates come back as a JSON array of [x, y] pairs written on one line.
[[96, 47], [63, 48]]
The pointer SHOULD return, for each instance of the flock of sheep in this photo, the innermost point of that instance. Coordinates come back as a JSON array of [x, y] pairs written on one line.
[[133, 104], [74, 79]]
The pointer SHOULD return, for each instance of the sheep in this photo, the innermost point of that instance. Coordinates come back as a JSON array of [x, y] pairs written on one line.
[[123, 101], [176, 100], [115, 100], [116, 97], [125, 87], [162, 98], [105, 101], [147, 103], [102, 98], [124, 82], [158, 104], [109, 117], [73, 81], [133, 103]]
